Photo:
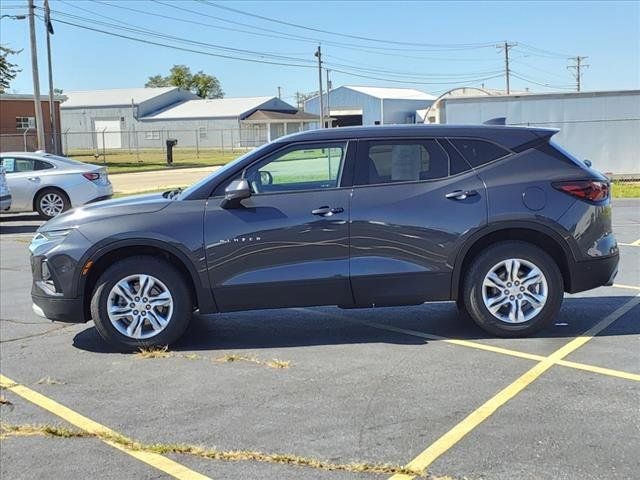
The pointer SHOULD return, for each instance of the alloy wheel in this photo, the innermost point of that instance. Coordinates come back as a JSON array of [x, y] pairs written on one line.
[[514, 290], [52, 204], [140, 306]]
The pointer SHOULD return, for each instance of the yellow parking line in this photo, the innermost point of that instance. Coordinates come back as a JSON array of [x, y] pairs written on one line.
[[503, 351], [603, 371], [629, 287], [160, 462], [475, 418]]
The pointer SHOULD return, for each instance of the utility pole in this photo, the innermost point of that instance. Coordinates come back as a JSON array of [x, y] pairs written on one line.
[[578, 67], [280, 92], [36, 79], [318, 55], [506, 46], [328, 90], [52, 106]]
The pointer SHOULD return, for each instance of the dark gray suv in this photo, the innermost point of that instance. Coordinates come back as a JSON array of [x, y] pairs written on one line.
[[498, 219]]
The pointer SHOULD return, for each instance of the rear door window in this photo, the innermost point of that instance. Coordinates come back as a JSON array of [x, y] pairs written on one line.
[[478, 152], [17, 165], [391, 161]]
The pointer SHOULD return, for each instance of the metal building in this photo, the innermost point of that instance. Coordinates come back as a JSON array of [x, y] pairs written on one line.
[[354, 105], [603, 127], [146, 117]]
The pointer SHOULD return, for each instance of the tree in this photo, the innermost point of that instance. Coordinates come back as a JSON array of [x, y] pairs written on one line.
[[203, 85], [206, 86], [8, 70]]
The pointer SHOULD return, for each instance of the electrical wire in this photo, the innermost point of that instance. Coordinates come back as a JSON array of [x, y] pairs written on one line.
[[346, 35]]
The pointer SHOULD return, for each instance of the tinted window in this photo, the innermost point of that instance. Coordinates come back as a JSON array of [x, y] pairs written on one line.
[[400, 161], [479, 152], [14, 165], [457, 164], [298, 168], [40, 165]]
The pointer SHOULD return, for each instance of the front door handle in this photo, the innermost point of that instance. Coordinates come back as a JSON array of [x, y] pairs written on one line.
[[327, 211], [461, 194]]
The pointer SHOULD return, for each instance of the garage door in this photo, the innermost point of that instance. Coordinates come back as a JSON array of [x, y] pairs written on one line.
[[111, 138]]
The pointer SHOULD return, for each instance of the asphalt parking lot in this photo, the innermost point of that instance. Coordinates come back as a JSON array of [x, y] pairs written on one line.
[[323, 393]]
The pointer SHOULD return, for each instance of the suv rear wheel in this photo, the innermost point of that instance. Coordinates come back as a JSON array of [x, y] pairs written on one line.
[[512, 289], [141, 302]]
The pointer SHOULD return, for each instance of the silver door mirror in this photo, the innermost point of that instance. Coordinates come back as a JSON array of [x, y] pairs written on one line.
[[236, 191]]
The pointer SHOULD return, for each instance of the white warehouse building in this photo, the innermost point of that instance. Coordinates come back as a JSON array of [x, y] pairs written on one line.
[[603, 127], [355, 105], [146, 117]]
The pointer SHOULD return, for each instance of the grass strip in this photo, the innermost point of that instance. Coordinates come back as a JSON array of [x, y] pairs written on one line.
[[54, 431]]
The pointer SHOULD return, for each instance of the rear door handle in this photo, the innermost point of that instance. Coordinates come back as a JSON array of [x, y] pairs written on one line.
[[34, 179], [461, 194], [327, 211]]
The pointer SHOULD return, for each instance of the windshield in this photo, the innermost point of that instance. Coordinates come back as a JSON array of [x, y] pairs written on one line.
[[220, 171]]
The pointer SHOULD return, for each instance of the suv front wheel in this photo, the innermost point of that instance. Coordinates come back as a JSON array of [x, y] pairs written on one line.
[[141, 302], [512, 289]]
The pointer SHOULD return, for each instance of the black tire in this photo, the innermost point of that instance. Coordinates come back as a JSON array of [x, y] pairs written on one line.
[[161, 270], [56, 192], [473, 305]]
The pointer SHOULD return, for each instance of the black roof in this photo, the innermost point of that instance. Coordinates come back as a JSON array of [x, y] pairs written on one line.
[[510, 137]]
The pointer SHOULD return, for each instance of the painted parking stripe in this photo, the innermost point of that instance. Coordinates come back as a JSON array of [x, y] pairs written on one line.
[[157, 461], [475, 418], [628, 287], [503, 351]]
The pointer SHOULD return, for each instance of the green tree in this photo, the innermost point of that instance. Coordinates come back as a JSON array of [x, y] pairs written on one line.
[[203, 85], [8, 70]]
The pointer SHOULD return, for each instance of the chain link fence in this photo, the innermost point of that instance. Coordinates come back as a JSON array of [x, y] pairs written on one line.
[[126, 149]]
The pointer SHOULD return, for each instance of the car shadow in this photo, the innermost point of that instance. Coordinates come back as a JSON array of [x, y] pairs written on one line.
[[307, 327], [19, 223]]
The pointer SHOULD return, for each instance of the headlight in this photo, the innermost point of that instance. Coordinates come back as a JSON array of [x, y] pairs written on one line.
[[42, 238]]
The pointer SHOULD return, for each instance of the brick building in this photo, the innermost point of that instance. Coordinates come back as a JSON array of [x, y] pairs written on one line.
[[17, 122]]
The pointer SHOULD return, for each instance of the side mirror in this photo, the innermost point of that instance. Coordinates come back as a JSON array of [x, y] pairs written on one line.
[[236, 191]]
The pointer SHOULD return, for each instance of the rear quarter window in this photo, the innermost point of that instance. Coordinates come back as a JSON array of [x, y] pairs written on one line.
[[41, 165], [478, 152]]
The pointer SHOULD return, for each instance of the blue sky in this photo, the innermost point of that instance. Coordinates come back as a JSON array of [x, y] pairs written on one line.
[[607, 32]]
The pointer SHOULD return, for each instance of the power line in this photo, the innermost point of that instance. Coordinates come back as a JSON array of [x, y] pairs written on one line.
[[521, 77], [174, 47], [282, 35], [144, 31], [346, 35]]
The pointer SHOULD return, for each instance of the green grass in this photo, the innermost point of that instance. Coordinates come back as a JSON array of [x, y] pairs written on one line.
[[625, 189], [125, 162], [129, 194]]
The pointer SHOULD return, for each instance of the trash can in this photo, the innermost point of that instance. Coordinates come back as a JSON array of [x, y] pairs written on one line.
[[171, 142]]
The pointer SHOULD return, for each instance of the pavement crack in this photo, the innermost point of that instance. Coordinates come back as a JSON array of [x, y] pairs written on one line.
[[41, 334]]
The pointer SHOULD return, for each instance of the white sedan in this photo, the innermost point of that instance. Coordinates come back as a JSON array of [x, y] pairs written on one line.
[[50, 184]]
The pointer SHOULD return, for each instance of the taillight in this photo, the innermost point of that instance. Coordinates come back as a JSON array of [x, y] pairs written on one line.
[[91, 176], [592, 190]]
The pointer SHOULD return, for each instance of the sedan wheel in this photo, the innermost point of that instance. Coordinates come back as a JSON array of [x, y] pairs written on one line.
[[52, 204]]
